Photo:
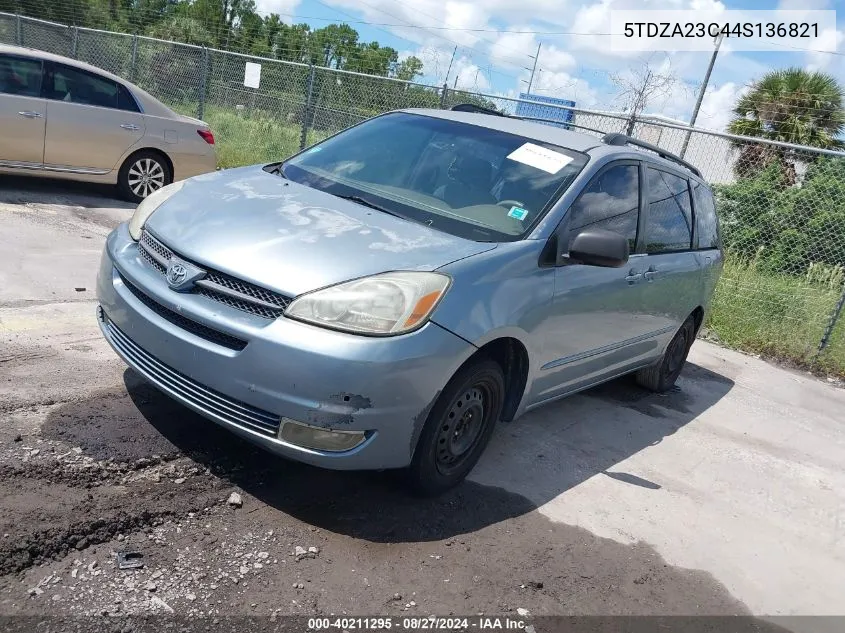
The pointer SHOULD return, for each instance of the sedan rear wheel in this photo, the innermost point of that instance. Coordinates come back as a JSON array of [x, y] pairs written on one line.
[[142, 174]]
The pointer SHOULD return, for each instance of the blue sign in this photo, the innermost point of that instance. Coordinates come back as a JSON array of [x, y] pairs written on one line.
[[550, 112]]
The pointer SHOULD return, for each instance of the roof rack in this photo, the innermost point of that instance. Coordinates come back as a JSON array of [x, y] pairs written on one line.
[[471, 107], [615, 138]]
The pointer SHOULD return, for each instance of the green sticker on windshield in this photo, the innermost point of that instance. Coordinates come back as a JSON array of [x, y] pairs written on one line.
[[518, 212]]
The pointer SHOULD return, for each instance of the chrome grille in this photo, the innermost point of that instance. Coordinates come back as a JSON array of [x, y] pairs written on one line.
[[219, 286], [188, 390], [152, 244]]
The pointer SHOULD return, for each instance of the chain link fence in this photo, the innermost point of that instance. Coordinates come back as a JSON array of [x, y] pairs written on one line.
[[782, 206]]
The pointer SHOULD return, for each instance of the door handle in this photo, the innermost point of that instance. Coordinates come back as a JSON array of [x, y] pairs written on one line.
[[29, 114], [633, 277], [129, 126], [650, 274]]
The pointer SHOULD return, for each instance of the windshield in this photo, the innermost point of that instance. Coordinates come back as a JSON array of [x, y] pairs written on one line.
[[463, 179]]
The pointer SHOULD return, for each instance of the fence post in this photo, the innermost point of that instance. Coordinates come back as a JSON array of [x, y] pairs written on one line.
[[18, 31], [74, 46], [134, 60], [443, 96], [203, 80], [834, 317], [306, 114]]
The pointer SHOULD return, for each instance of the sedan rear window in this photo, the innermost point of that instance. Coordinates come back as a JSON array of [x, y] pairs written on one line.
[[74, 85], [467, 180]]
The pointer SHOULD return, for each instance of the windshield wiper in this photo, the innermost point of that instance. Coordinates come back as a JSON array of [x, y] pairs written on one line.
[[372, 205]]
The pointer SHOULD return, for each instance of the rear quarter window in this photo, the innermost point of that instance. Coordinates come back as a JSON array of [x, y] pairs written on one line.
[[706, 222]]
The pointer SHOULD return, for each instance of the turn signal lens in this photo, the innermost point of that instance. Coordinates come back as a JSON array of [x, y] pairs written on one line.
[[319, 439]]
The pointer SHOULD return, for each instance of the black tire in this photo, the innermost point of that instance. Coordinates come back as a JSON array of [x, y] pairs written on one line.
[[449, 446], [661, 376], [142, 173]]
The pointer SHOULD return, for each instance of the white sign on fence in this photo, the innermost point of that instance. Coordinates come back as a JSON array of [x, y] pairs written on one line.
[[252, 75]]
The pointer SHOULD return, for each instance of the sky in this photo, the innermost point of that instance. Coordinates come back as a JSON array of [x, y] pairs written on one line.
[[574, 63]]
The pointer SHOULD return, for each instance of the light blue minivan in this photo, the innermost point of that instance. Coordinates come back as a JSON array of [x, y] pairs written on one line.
[[382, 299]]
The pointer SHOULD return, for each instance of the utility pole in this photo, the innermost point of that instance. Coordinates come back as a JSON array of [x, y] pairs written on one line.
[[451, 61], [534, 67], [718, 41]]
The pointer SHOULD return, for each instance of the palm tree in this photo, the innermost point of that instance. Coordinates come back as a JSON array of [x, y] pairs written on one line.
[[793, 106]]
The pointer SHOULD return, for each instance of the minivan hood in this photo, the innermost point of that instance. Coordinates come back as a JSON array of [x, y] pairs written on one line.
[[291, 238]]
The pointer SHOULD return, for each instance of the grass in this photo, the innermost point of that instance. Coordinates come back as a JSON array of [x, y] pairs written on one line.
[[246, 141], [249, 138], [778, 316]]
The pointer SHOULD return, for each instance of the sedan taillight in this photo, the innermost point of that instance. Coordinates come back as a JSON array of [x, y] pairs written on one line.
[[207, 136]]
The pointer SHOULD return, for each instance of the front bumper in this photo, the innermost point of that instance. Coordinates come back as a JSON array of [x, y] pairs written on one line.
[[383, 386]]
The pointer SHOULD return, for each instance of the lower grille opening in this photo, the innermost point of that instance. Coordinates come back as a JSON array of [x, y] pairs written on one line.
[[204, 398], [203, 331]]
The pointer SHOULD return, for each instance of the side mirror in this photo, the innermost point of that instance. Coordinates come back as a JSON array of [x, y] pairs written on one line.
[[596, 247]]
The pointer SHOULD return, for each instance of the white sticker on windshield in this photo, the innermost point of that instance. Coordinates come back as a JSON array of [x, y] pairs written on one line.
[[536, 156]]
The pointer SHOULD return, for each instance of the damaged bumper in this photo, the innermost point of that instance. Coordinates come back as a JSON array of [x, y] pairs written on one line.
[[248, 373]]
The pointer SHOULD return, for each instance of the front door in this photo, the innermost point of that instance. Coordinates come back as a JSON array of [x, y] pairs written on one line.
[[22, 112], [91, 120], [598, 325]]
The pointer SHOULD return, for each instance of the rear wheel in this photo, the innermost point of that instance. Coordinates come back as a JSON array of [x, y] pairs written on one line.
[[458, 428], [143, 173], [663, 374]]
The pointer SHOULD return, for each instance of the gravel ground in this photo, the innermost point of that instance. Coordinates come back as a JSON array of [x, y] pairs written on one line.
[[95, 463]]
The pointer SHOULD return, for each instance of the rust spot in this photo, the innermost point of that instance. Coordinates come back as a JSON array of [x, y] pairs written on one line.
[[352, 400]]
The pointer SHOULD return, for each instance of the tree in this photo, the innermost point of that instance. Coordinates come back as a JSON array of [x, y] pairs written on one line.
[[638, 88], [372, 59], [786, 229], [792, 106], [333, 45], [181, 29], [409, 69]]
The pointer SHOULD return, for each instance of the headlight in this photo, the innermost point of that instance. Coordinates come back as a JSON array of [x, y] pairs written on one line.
[[389, 303], [149, 205]]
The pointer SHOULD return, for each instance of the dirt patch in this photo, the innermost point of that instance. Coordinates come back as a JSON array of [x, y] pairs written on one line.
[[135, 470]]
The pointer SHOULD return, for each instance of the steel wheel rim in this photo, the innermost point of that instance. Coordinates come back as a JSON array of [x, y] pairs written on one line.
[[145, 177], [461, 428]]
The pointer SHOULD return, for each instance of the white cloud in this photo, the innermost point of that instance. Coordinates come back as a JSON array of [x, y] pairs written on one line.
[[829, 39], [565, 86], [265, 7], [717, 106], [469, 76]]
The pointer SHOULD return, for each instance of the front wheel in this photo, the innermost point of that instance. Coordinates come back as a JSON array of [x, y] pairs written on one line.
[[143, 173], [662, 375], [458, 428]]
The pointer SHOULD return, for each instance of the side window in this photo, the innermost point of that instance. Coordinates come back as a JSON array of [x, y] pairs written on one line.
[[611, 202], [20, 76], [73, 85], [669, 221], [706, 226], [125, 101]]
